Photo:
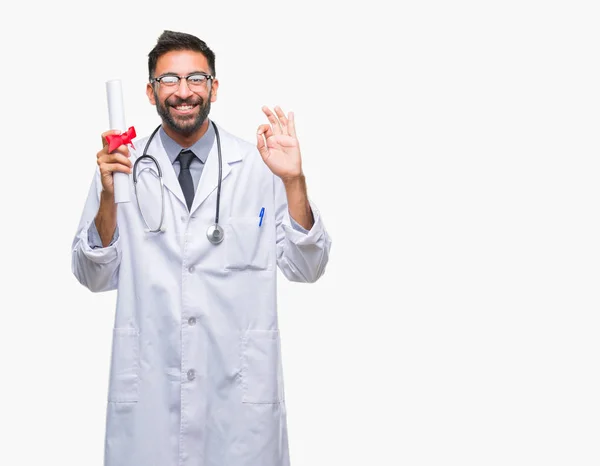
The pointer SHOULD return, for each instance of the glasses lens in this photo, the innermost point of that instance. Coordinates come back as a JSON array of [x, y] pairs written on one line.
[[169, 80], [196, 80]]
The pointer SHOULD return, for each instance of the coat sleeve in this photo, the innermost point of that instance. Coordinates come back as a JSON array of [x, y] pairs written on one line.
[[301, 257], [95, 268]]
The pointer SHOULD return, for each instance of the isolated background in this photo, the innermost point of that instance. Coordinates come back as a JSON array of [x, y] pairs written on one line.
[[452, 148]]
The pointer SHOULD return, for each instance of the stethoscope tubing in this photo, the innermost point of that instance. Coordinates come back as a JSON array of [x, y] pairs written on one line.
[[216, 228]]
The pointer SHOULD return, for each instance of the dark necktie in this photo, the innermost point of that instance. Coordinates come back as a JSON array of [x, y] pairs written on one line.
[[185, 177]]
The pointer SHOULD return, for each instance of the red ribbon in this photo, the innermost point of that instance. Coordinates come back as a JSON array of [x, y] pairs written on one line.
[[115, 140]]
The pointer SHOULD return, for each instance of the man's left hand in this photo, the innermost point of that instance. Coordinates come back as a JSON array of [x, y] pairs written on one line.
[[278, 145]]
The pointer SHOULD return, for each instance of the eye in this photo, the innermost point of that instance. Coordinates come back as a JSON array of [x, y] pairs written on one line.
[[196, 79], [168, 80]]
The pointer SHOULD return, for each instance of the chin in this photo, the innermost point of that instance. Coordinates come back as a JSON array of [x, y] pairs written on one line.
[[187, 129]]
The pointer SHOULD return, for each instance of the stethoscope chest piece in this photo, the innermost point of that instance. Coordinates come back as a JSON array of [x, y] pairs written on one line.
[[215, 234]]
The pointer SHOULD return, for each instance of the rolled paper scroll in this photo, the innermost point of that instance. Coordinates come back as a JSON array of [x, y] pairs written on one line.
[[116, 120]]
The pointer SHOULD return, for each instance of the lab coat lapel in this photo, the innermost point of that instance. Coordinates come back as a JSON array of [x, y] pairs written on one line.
[[210, 174], [170, 180]]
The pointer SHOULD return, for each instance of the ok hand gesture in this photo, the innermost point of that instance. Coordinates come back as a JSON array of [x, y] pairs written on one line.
[[278, 145]]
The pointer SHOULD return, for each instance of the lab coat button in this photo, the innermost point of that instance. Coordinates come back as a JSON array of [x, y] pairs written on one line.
[[191, 374], [192, 321], [183, 218], [191, 269]]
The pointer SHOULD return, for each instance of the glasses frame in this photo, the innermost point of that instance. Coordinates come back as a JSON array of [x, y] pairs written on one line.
[[176, 85]]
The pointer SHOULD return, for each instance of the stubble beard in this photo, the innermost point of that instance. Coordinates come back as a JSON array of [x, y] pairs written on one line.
[[187, 125]]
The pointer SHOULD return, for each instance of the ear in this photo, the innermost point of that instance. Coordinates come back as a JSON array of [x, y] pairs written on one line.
[[214, 88], [150, 93]]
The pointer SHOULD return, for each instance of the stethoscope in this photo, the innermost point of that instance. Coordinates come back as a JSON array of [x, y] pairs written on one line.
[[215, 232]]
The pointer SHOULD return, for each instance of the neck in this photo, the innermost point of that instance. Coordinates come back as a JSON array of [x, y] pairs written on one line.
[[187, 141]]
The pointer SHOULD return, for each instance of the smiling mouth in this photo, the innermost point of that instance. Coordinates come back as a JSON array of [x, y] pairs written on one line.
[[184, 109]]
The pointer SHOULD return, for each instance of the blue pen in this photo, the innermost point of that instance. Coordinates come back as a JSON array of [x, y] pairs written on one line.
[[261, 215]]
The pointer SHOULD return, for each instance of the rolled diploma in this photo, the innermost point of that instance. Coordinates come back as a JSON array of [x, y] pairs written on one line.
[[116, 120]]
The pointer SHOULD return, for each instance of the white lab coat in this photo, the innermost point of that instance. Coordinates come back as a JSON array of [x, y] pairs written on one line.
[[196, 373]]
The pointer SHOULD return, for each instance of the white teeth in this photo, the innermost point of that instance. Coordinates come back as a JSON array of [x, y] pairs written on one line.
[[184, 107]]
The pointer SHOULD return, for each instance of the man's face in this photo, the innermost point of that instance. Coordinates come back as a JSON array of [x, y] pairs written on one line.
[[182, 107]]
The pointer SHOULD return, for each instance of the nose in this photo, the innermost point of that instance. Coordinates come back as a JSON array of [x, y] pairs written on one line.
[[183, 91]]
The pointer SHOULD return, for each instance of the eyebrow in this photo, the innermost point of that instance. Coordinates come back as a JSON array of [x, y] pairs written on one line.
[[171, 73]]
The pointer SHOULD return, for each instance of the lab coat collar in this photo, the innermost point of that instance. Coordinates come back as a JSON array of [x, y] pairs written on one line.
[[200, 148], [209, 180], [210, 173]]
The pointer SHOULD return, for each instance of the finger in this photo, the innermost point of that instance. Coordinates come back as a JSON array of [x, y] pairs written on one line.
[[266, 130], [282, 119], [122, 149], [115, 158], [106, 133], [114, 167], [261, 145], [272, 119], [291, 125]]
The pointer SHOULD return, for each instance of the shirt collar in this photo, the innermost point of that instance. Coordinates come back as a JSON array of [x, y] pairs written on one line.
[[200, 148]]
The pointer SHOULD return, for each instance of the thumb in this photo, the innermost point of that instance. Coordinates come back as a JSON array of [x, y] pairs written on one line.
[[261, 145]]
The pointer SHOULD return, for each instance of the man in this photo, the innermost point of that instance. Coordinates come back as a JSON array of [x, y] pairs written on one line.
[[196, 375]]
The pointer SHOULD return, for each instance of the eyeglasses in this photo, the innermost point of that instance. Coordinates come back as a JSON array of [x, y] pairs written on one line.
[[194, 80]]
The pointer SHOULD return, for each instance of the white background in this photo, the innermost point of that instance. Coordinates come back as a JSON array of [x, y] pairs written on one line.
[[452, 148]]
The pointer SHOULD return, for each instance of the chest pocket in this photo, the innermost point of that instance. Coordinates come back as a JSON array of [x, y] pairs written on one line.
[[247, 244]]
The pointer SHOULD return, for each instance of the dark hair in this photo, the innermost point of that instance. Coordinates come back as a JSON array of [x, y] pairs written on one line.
[[171, 40]]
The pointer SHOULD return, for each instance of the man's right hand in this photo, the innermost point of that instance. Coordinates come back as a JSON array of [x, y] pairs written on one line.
[[116, 161]]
